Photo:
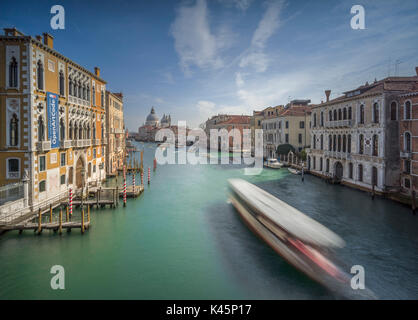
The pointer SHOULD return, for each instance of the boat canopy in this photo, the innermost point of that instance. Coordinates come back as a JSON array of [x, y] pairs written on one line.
[[285, 216], [272, 160]]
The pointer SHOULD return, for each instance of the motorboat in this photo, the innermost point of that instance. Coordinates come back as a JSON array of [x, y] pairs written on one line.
[[294, 171], [301, 241], [273, 164]]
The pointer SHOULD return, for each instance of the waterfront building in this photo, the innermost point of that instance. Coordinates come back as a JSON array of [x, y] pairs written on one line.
[[406, 110], [227, 122], [115, 133], [289, 126], [355, 136], [52, 122]]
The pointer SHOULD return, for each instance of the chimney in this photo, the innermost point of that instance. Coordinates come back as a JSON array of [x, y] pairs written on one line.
[[39, 38], [48, 40], [97, 71], [416, 70], [327, 93]]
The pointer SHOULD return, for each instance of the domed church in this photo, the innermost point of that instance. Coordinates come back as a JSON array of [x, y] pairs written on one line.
[[152, 119]]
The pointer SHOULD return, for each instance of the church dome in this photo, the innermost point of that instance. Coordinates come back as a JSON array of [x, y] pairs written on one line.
[[152, 118]]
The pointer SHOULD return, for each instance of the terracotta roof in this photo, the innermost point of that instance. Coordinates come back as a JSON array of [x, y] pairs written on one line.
[[296, 111], [237, 120]]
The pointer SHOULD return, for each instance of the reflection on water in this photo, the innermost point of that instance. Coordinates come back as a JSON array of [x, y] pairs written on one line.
[[182, 240]]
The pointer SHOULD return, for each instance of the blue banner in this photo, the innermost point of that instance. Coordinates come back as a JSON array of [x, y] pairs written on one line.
[[53, 119]]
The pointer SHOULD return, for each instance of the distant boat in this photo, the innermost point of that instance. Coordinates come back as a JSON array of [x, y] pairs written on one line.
[[301, 241], [294, 171], [273, 164]]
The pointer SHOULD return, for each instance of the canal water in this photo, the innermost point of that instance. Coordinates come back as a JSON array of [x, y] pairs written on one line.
[[182, 240]]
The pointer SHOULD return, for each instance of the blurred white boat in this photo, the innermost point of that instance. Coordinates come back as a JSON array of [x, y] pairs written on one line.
[[300, 240]]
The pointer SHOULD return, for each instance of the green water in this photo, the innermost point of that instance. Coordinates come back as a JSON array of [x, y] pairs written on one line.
[[182, 240]]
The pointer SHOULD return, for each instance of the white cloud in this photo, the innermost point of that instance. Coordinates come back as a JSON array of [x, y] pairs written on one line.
[[194, 42], [239, 79], [239, 4], [255, 56]]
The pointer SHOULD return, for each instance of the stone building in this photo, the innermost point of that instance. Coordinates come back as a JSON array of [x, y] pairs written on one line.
[[116, 132], [289, 126], [52, 117], [406, 110], [355, 137]]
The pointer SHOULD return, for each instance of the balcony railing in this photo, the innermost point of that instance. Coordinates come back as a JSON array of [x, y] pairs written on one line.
[[65, 144], [339, 124], [43, 146], [405, 154]]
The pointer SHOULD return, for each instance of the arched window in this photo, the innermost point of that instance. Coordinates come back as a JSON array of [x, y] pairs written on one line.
[[88, 131], [393, 111], [335, 115], [361, 144], [75, 130], [14, 131], [322, 119], [13, 73], [334, 145], [314, 141], [344, 143], [320, 164], [375, 112], [70, 130], [88, 93], [339, 143], [314, 120], [375, 145], [84, 131], [40, 73], [350, 115], [361, 114], [407, 142], [62, 130], [327, 166], [360, 172], [102, 98], [340, 114], [80, 90], [102, 132], [350, 170], [349, 143], [61, 83], [407, 112], [93, 92], [374, 176], [330, 116], [80, 131], [94, 131], [322, 142], [329, 142], [41, 129], [345, 114], [70, 86]]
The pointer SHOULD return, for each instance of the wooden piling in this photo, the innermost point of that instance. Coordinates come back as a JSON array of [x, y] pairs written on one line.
[[39, 221], [88, 214], [67, 218], [60, 226], [82, 220]]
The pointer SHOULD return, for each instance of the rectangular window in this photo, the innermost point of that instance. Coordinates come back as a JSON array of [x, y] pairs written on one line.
[[287, 124], [42, 186], [407, 183], [63, 179], [13, 169], [300, 138], [94, 153], [302, 124], [42, 163], [287, 138], [63, 159], [94, 168]]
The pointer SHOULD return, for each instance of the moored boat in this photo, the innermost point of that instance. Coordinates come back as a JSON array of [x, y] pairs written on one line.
[[294, 171], [273, 164], [300, 240]]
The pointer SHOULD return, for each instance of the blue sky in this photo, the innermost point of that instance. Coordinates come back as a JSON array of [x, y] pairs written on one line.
[[197, 58]]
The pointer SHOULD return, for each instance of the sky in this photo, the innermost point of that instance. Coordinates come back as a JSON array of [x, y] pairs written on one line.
[[197, 58]]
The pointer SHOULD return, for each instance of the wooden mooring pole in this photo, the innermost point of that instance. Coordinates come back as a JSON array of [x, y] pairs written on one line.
[[88, 214], [39, 221], [60, 227], [82, 219]]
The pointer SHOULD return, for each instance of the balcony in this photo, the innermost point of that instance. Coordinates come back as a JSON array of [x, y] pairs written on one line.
[[65, 144], [96, 142], [86, 143], [43, 146], [405, 154]]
